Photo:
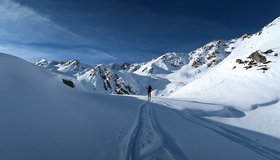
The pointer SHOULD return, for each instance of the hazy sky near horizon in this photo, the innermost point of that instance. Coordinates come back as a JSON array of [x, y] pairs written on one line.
[[105, 31]]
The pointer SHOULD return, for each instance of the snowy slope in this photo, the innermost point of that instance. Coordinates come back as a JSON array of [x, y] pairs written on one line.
[[41, 118], [230, 81]]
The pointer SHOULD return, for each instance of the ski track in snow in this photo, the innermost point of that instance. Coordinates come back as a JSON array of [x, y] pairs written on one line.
[[148, 140], [234, 136]]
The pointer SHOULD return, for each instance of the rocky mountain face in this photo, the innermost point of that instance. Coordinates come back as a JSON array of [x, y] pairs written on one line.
[[209, 55], [167, 73], [99, 78]]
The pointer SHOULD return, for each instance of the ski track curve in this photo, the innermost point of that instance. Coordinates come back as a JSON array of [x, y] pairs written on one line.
[[148, 140], [239, 138]]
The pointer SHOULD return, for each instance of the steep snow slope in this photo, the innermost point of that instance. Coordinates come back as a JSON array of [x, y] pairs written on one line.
[[40, 118], [242, 83]]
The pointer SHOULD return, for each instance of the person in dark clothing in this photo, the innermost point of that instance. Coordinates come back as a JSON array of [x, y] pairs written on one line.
[[149, 89]]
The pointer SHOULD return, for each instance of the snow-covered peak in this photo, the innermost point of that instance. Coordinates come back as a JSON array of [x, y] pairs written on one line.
[[47, 64], [41, 62], [72, 66], [71, 62], [164, 64], [175, 59]]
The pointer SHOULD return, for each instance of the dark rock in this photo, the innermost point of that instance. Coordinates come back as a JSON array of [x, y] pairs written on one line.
[[263, 69], [239, 61], [267, 62], [276, 54], [107, 85], [195, 64], [247, 35], [258, 57], [248, 67], [92, 72], [135, 68], [233, 67], [252, 63], [198, 62], [228, 52], [68, 83], [268, 51], [151, 70], [144, 69], [120, 87]]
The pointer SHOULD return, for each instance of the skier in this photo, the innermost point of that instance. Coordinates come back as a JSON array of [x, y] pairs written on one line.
[[149, 89]]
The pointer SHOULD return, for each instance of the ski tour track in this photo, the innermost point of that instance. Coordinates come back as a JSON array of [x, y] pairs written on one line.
[[148, 140]]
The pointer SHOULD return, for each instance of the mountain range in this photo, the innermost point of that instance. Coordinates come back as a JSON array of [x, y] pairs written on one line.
[[170, 72]]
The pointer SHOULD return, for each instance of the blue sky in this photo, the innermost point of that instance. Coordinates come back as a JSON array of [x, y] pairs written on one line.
[[105, 31]]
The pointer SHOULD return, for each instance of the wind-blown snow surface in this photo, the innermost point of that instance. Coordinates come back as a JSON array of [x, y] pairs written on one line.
[[40, 118]]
